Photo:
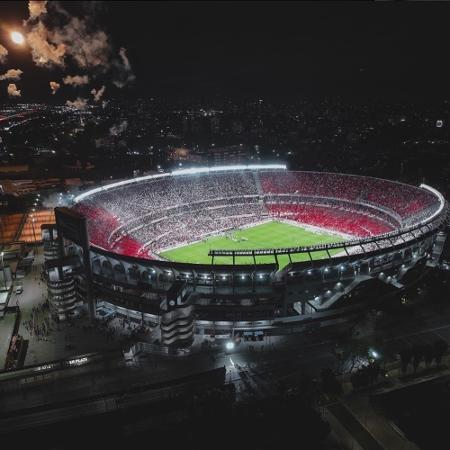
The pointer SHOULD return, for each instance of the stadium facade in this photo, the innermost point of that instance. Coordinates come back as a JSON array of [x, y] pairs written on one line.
[[110, 242]]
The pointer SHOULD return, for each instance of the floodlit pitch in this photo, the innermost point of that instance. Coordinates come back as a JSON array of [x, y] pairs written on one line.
[[268, 235]]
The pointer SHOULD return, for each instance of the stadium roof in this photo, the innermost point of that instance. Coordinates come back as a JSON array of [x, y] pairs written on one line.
[[192, 171]]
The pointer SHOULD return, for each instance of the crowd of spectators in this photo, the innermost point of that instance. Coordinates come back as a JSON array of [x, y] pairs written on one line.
[[194, 226], [339, 220], [141, 219], [160, 193], [400, 198]]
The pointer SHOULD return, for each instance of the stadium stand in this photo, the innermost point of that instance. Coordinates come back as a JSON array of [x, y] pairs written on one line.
[[9, 226], [145, 217], [400, 198], [31, 231], [336, 219]]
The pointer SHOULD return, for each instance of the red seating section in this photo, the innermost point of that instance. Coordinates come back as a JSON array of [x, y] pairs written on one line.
[[348, 222], [98, 235], [403, 199]]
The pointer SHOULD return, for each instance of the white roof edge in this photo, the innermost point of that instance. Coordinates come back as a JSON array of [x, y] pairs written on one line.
[[176, 173], [440, 198], [195, 170]]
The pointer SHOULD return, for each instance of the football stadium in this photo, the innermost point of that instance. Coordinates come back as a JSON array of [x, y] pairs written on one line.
[[233, 249]]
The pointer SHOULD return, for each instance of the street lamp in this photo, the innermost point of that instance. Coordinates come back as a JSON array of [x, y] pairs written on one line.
[[229, 346]]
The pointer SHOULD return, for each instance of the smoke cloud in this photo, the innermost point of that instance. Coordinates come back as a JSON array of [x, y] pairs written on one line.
[[37, 8], [54, 86], [43, 51], [118, 129], [89, 49], [125, 73], [98, 94], [59, 35], [3, 54], [79, 103], [76, 80], [50, 45], [11, 74], [13, 91], [124, 58], [55, 199]]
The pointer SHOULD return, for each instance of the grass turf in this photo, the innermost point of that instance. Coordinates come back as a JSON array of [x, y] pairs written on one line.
[[267, 235]]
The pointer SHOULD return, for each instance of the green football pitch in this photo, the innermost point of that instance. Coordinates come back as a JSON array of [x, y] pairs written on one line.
[[267, 235]]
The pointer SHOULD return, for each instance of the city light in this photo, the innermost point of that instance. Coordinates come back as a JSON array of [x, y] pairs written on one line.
[[229, 345]]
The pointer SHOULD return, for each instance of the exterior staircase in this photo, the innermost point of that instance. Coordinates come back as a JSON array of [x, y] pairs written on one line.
[[20, 227]]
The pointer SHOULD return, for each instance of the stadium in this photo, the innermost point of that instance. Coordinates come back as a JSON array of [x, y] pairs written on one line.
[[240, 249]]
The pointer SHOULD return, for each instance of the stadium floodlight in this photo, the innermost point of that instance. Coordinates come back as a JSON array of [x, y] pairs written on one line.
[[117, 184], [196, 170], [229, 346]]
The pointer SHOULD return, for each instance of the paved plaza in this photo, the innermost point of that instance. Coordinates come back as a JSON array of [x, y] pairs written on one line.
[[48, 340]]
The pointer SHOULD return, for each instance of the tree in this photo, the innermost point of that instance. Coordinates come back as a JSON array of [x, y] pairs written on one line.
[[329, 382], [373, 370], [440, 349], [417, 356], [406, 355], [428, 354]]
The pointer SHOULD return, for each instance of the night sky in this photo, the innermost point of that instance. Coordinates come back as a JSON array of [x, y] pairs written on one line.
[[366, 50]]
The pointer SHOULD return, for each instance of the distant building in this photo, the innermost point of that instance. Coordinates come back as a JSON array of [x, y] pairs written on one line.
[[183, 154], [231, 154], [14, 168], [26, 186]]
